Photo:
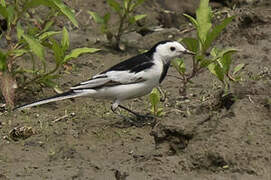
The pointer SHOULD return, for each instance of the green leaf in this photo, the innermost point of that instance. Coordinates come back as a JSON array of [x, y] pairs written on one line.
[[192, 20], [18, 52], [205, 62], [203, 14], [125, 3], [47, 35], [36, 3], [223, 58], [3, 3], [11, 14], [66, 11], [76, 52], [65, 42], [212, 35], [3, 61], [191, 44], [114, 5], [214, 52], [20, 31], [58, 52], [154, 100], [139, 17], [3, 12], [226, 62], [35, 46], [48, 80], [217, 71], [238, 68], [179, 65], [106, 18], [48, 25], [98, 19]]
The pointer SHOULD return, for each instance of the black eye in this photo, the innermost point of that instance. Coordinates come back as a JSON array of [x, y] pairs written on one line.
[[172, 48]]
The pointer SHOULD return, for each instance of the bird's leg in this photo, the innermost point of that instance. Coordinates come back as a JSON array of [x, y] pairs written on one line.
[[139, 121], [130, 111], [138, 116]]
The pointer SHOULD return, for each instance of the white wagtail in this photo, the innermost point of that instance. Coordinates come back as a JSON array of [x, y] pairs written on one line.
[[132, 78]]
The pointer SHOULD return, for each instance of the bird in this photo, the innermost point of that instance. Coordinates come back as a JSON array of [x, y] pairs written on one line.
[[131, 78]]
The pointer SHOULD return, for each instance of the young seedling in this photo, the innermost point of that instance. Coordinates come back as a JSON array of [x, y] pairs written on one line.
[[29, 36], [126, 20], [155, 98], [218, 61]]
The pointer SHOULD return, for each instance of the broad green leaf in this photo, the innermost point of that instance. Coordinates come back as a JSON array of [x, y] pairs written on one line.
[[58, 51], [191, 44], [114, 5], [18, 52], [214, 52], [192, 20], [226, 61], [217, 71], [47, 35], [205, 62], [98, 19], [3, 3], [139, 17], [223, 57], [66, 11], [65, 41], [20, 31], [35, 46], [11, 14], [76, 52], [3, 12], [238, 68], [203, 14], [212, 35], [3, 61]]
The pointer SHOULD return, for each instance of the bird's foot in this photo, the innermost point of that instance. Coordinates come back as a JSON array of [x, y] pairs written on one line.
[[141, 120], [137, 121]]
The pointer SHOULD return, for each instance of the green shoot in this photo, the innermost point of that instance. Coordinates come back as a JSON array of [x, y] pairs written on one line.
[[126, 18]]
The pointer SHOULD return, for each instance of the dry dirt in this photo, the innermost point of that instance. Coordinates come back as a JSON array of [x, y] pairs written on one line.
[[201, 136]]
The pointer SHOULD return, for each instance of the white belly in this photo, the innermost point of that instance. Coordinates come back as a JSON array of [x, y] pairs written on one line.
[[123, 92]]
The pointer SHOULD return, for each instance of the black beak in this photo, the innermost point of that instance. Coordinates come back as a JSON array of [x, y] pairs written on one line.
[[189, 52]]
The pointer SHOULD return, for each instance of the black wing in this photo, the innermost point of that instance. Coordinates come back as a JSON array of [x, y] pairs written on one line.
[[133, 64]]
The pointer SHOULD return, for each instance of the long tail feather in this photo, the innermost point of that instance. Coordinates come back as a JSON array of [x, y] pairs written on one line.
[[66, 95]]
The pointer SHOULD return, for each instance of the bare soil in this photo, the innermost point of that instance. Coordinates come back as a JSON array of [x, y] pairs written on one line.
[[201, 136]]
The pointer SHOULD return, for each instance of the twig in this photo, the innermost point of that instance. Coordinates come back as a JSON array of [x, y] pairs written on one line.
[[187, 30], [250, 99], [60, 118], [175, 77], [64, 117]]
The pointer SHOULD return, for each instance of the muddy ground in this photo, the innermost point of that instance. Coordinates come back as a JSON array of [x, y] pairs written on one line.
[[201, 136]]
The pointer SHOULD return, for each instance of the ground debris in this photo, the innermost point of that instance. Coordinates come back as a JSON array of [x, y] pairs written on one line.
[[21, 133]]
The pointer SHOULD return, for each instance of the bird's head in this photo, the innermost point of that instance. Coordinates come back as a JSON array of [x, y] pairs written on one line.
[[167, 50]]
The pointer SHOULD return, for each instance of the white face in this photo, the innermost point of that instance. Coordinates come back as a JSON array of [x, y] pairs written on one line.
[[170, 50]]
